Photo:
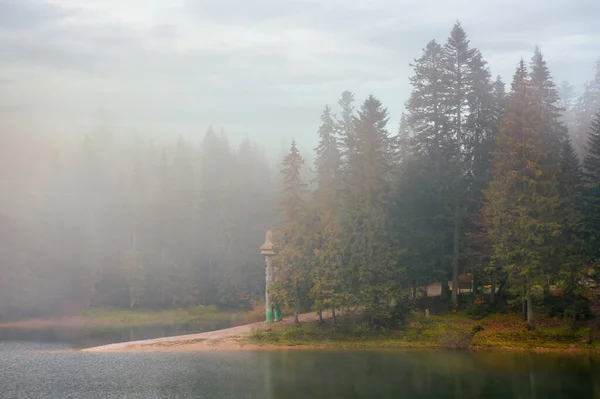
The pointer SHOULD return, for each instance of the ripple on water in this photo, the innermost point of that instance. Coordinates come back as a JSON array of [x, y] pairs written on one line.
[[54, 371]]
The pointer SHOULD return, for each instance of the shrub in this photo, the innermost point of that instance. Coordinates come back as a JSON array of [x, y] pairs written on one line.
[[478, 310]]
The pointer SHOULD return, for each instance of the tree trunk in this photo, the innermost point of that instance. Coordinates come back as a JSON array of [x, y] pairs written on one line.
[[131, 300], [320, 316], [456, 254], [445, 289], [333, 317], [296, 303], [530, 321], [493, 287]]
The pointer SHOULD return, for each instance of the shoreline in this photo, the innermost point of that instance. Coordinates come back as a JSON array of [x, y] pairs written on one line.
[[244, 338], [237, 343]]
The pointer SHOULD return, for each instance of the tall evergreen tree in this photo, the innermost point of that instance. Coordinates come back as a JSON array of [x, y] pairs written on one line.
[[368, 242], [584, 110], [327, 269], [426, 116], [345, 127], [571, 244], [523, 196], [431, 146], [546, 93], [591, 168], [291, 261]]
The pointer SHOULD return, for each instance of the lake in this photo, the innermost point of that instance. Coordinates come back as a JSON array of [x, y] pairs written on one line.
[[56, 370]]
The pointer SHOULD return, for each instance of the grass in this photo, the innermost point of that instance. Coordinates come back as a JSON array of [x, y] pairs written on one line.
[[457, 331], [124, 318]]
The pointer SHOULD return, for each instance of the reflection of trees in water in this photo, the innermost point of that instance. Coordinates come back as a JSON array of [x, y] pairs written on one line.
[[427, 374], [82, 337]]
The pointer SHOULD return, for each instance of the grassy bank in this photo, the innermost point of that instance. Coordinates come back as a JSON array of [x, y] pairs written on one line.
[[498, 331], [124, 318], [115, 318]]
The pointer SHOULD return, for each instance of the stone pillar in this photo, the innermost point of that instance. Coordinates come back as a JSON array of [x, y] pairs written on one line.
[[268, 251], [268, 281]]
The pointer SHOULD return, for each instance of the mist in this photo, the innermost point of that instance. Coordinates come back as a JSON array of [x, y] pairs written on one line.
[[118, 186]]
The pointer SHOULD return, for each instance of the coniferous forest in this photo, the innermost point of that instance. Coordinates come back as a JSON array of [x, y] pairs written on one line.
[[498, 182]]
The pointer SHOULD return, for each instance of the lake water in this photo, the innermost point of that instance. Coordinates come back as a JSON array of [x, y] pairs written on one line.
[[87, 337], [51, 370]]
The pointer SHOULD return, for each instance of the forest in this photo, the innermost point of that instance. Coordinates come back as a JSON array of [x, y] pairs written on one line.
[[498, 183]]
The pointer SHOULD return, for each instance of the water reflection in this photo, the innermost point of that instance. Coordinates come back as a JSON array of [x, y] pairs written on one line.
[[429, 374], [32, 371], [88, 337]]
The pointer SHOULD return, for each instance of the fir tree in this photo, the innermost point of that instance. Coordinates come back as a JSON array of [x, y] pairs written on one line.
[[327, 272], [591, 168], [291, 261], [426, 116], [432, 146], [370, 255], [522, 197], [545, 92], [584, 110], [345, 128], [571, 244]]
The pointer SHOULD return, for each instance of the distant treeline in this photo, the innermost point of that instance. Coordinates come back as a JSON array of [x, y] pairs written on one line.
[[504, 186], [139, 225]]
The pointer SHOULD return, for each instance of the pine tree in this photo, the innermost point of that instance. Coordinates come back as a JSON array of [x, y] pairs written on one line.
[[432, 148], [567, 97], [523, 196], [345, 128], [591, 168], [571, 243], [468, 107], [403, 141], [370, 255], [426, 116], [327, 284], [486, 108], [584, 110], [292, 260], [546, 93]]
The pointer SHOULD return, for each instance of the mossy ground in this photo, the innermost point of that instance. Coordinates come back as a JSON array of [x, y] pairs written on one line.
[[496, 331]]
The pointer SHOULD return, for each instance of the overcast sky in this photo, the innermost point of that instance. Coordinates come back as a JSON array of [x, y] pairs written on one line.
[[261, 67]]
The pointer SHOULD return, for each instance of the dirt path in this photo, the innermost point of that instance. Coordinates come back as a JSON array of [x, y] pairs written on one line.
[[228, 339]]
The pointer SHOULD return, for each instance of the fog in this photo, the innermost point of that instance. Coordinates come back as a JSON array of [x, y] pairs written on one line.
[[141, 142], [265, 68]]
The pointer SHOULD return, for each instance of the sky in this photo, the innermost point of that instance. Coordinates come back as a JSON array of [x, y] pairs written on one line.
[[262, 68]]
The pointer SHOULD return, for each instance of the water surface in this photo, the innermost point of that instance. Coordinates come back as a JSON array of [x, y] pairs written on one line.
[[30, 370]]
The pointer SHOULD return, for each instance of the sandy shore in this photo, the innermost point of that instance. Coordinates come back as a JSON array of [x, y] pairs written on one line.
[[234, 338]]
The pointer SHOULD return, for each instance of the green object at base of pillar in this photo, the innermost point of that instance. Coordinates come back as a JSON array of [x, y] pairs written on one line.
[[278, 315], [269, 316]]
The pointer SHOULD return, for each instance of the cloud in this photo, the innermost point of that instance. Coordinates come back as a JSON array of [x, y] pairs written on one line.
[[265, 66]]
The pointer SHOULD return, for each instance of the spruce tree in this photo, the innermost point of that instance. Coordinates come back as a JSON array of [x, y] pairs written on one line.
[[591, 168], [292, 262], [426, 116], [468, 107], [432, 148], [584, 110], [523, 197], [546, 93], [370, 254], [345, 128], [327, 289], [571, 242]]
